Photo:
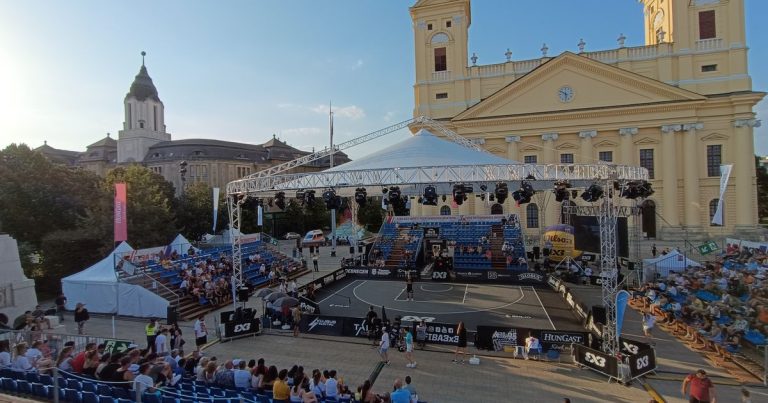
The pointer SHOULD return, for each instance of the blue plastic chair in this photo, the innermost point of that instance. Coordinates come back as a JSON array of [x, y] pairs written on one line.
[[150, 398], [32, 377], [73, 384], [46, 380], [106, 399], [169, 399], [86, 386], [89, 397], [24, 387], [40, 390], [72, 396], [103, 389]]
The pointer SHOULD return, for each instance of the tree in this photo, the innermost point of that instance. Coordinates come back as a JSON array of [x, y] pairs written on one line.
[[194, 211], [762, 190], [150, 197], [371, 216]]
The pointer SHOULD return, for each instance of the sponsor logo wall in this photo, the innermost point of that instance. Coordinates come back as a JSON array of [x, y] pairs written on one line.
[[597, 361], [241, 328], [496, 338]]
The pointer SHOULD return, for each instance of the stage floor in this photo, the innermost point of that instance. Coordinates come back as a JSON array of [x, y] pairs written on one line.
[[475, 304]]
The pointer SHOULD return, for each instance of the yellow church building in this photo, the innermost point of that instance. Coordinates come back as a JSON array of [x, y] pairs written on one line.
[[680, 106]]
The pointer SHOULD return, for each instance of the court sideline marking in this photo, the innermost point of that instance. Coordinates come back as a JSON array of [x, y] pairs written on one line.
[[542, 307], [335, 292], [465, 293]]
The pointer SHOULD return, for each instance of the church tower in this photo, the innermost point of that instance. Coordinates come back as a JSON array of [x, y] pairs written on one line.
[[441, 34], [144, 123]]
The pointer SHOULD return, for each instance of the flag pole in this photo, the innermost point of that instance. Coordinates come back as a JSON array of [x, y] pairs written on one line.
[[333, 211]]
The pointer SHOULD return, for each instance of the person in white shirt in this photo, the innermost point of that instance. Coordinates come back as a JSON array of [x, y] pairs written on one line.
[[294, 288], [242, 375], [143, 382], [5, 354], [161, 343], [384, 346], [648, 322], [201, 332], [34, 354], [532, 346], [20, 361]]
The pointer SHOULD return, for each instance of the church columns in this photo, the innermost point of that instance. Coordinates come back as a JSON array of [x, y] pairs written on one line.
[[669, 174], [550, 208], [512, 149], [625, 145], [692, 207], [744, 171], [587, 153]]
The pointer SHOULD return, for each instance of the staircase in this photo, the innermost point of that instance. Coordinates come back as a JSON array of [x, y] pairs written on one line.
[[397, 254], [498, 260]]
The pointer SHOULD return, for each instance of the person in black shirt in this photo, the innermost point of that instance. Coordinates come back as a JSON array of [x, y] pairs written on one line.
[[61, 302], [370, 318], [81, 316], [461, 347]]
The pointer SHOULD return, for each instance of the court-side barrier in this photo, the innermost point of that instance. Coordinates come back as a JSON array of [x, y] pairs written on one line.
[[498, 338], [498, 276]]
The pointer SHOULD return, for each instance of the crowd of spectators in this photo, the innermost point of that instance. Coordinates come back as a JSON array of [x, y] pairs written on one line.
[[722, 303]]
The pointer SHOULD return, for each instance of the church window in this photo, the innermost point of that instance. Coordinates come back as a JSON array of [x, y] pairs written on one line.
[[713, 210], [707, 29], [445, 210], [243, 171], [605, 156], [154, 115], [714, 159], [566, 158], [441, 60], [530, 159], [157, 169], [141, 124], [646, 161], [532, 216], [448, 24], [441, 95], [429, 27], [708, 67]]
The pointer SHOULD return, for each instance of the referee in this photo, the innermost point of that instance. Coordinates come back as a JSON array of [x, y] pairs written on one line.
[[409, 285]]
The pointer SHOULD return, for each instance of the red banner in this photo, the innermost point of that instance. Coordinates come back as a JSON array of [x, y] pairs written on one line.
[[121, 213]]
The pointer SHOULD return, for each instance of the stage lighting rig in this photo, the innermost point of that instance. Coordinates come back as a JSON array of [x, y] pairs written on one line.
[[280, 200], [309, 197], [501, 192], [561, 191], [593, 193], [395, 196], [459, 194], [330, 199], [430, 196], [525, 193], [361, 196]]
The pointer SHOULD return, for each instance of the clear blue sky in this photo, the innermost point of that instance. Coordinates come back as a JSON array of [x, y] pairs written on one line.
[[243, 70]]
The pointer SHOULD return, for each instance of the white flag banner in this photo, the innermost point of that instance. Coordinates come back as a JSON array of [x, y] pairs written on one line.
[[215, 207], [725, 173], [260, 217]]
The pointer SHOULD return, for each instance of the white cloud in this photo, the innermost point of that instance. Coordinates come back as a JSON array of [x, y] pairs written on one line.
[[351, 112], [358, 64], [303, 131], [389, 116]]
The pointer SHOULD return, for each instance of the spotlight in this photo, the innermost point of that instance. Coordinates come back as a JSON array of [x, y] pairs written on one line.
[[384, 190], [525, 193], [300, 196], [593, 193], [483, 187], [645, 189], [280, 200], [634, 189], [459, 194], [330, 199], [309, 197], [561, 191], [361, 196], [501, 192], [430, 196], [394, 195]]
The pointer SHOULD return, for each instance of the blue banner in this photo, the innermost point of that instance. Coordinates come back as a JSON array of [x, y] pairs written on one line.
[[215, 207], [622, 298]]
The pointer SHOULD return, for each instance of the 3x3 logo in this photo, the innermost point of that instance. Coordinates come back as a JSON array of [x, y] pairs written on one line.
[[594, 359]]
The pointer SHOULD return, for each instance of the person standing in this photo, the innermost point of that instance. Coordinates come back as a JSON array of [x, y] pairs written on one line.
[[409, 285], [648, 322], [654, 250], [201, 332], [384, 346], [296, 316], [61, 302], [369, 323], [461, 347], [161, 345], [532, 346], [81, 316], [408, 336], [702, 389], [421, 334], [151, 331], [314, 261]]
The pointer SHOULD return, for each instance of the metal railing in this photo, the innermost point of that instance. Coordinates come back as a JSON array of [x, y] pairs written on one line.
[[154, 283], [55, 341]]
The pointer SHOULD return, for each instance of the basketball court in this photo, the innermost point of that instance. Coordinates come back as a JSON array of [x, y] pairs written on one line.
[[474, 304]]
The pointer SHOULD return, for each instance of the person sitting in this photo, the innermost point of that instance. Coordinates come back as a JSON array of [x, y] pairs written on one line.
[[39, 316]]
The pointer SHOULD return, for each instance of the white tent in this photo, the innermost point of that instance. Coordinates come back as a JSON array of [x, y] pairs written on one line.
[[672, 261], [181, 245], [99, 289]]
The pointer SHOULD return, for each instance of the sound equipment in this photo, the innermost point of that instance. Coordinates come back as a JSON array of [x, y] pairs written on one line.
[[172, 316], [243, 294], [598, 314]]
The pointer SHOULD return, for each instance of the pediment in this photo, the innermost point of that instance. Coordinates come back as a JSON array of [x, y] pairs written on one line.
[[566, 146], [594, 85], [496, 150], [605, 143], [715, 137], [646, 140], [530, 147]]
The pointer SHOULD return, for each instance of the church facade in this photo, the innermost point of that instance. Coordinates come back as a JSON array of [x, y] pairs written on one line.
[[681, 106], [144, 140]]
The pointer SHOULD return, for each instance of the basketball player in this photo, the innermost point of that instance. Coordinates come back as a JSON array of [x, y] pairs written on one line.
[[409, 286]]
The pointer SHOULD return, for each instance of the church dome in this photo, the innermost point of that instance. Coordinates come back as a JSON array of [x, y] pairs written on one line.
[[143, 87]]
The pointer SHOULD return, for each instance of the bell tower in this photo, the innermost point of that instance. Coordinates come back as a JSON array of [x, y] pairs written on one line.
[[144, 123], [691, 24], [441, 35]]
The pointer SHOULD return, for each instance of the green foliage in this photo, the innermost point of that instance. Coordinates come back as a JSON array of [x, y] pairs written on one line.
[[151, 219], [371, 216], [762, 190], [194, 211]]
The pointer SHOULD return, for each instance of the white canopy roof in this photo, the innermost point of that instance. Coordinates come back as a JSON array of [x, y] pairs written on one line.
[[422, 149], [104, 270], [672, 261], [181, 245]]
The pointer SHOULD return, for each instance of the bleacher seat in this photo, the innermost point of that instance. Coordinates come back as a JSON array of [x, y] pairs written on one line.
[[150, 398], [106, 399], [72, 396], [88, 397]]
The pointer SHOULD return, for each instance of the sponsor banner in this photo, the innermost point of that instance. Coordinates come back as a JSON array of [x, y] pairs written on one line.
[[357, 271], [325, 325], [560, 237], [229, 316], [241, 328], [632, 347], [354, 327], [380, 272], [642, 363], [339, 274], [588, 257], [597, 280], [431, 232], [580, 311], [215, 207], [596, 360], [557, 340], [725, 174], [496, 338], [530, 277], [622, 298], [736, 246], [554, 282], [441, 333], [415, 274], [121, 212], [468, 275], [440, 275], [444, 218], [308, 306]]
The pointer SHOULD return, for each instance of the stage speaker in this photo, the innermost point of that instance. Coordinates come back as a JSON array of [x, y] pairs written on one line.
[[242, 294], [536, 252], [598, 314], [171, 315]]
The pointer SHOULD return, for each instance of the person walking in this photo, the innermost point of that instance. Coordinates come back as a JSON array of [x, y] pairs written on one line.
[[296, 316], [61, 302], [702, 390], [201, 332], [461, 347], [654, 250], [648, 323], [151, 331], [408, 337], [314, 261], [81, 316], [384, 346], [409, 285]]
